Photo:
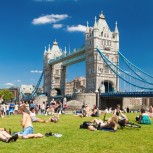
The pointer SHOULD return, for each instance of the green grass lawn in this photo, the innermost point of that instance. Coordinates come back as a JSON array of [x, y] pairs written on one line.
[[75, 140]]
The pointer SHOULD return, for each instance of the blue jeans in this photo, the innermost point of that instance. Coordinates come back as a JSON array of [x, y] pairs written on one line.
[[26, 131]]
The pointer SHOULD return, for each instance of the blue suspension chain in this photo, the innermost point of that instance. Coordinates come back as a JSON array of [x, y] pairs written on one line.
[[104, 58], [135, 66], [126, 72]]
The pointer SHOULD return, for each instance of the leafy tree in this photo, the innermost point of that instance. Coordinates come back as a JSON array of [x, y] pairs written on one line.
[[6, 94]]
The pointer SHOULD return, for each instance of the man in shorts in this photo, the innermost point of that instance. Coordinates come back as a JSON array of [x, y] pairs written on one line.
[[26, 123]]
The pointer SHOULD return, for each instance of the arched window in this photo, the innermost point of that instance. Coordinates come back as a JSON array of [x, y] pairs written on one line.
[[102, 33]]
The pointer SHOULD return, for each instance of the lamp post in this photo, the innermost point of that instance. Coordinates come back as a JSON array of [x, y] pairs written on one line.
[[97, 98]]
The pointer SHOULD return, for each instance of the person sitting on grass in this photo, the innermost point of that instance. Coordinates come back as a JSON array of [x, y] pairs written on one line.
[[6, 137], [111, 124], [143, 118], [33, 116], [122, 119], [95, 111], [27, 126]]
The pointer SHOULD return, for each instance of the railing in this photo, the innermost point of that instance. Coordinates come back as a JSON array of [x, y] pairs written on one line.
[[127, 94], [66, 55]]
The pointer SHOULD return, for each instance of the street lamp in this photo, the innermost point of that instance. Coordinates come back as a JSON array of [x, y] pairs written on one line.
[[97, 98]]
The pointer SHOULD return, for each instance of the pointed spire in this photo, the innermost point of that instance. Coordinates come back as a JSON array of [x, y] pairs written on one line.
[[87, 28], [45, 51], [95, 24], [49, 48], [65, 50], [101, 15], [116, 28], [55, 42]]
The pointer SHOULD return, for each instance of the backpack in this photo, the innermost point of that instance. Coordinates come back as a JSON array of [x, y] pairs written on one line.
[[86, 124]]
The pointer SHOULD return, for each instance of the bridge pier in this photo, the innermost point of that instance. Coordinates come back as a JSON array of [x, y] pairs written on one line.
[[86, 98]]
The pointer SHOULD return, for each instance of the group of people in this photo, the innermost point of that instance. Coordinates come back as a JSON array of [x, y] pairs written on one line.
[[34, 118], [86, 111], [119, 119], [111, 123], [49, 108], [29, 116], [27, 128]]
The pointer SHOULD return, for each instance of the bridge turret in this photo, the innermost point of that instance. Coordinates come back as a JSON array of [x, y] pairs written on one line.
[[65, 52], [95, 33], [116, 37], [45, 51], [49, 53], [97, 72], [87, 30], [56, 52], [116, 28]]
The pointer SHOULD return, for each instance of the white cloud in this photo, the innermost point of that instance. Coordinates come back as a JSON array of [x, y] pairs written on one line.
[[49, 19], [57, 26], [9, 84], [77, 28], [35, 71]]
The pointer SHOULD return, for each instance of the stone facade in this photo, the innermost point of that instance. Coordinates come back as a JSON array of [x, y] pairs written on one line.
[[78, 85], [97, 72], [53, 73]]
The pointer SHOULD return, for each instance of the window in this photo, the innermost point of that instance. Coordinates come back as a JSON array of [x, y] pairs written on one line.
[[57, 72], [101, 33], [106, 69]]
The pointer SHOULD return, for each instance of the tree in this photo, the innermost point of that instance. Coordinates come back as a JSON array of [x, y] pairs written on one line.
[[6, 94]]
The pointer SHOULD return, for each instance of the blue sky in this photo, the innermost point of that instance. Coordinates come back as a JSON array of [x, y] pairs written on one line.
[[27, 26]]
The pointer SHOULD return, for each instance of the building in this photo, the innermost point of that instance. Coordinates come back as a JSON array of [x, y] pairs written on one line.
[[78, 85], [15, 92], [97, 72], [52, 74]]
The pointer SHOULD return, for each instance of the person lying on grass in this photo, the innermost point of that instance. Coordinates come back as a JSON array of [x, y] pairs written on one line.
[[27, 126], [54, 118], [6, 137], [33, 116], [111, 124]]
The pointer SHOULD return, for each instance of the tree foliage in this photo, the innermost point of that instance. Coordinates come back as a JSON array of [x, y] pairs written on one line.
[[6, 94]]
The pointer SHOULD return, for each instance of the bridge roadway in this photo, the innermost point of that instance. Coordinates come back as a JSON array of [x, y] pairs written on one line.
[[128, 94], [74, 57]]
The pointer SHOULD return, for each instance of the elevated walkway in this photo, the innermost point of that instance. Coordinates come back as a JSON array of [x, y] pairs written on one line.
[[127, 94]]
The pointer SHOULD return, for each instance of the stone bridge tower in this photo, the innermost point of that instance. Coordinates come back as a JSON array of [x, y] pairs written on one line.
[[98, 74], [53, 84]]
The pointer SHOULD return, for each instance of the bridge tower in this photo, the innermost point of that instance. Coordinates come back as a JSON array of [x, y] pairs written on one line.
[[98, 75], [53, 82]]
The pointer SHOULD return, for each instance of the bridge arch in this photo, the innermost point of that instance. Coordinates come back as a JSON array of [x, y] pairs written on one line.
[[108, 86]]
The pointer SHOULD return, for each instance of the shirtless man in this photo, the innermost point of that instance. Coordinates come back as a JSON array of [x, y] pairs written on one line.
[[26, 123]]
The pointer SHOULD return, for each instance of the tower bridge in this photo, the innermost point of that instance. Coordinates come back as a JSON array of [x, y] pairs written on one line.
[[97, 72], [104, 74]]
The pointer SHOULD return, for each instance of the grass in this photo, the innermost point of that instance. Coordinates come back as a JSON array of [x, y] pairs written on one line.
[[75, 140]]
